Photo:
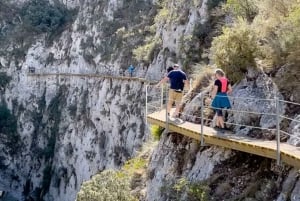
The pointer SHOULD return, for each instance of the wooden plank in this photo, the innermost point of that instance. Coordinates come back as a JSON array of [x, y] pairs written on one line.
[[93, 75], [289, 154]]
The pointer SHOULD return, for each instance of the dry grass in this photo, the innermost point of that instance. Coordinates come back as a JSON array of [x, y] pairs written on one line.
[[202, 77]]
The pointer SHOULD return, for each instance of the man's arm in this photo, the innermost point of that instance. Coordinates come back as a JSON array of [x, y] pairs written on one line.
[[164, 80]]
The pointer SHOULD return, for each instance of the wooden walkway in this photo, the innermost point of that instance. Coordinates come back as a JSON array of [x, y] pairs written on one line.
[[92, 76], [289, 154]]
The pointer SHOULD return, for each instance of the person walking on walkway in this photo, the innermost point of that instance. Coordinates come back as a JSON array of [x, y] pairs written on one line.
[[178, 81], [131, 70], [220, 101]]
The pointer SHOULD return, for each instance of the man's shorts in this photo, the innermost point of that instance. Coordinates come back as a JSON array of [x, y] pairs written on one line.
[[175, 96]]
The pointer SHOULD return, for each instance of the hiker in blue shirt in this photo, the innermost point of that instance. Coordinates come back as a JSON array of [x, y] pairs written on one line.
[[178, 81], [131, 70]]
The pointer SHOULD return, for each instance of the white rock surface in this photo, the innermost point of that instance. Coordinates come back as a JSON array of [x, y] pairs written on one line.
[[176, 157], [295, 132]]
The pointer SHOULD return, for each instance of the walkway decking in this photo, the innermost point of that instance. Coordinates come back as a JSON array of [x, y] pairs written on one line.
[[92, 75], [289, 154]]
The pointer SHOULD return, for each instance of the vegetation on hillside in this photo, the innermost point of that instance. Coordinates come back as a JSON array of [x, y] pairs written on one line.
[[263, 34], [4, 80], [169, 16], [42, 17], [112, 185], [19, 26], [156, 131], [8, 130], [106, 186]]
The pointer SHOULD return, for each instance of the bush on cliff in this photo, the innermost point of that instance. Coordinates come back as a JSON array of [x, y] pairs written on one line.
[[106, 186], [8, 129], [234, 51], [42, 16]]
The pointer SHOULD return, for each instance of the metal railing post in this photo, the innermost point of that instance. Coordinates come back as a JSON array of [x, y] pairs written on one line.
[[202, 118], [278, 130], [146, 113], [162, 97], [167, 117]]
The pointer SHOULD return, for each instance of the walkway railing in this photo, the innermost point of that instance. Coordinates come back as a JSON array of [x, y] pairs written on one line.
[[157, 98], [104, 71]]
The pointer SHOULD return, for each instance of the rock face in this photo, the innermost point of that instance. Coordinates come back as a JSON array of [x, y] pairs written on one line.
[[295, 132], [177, 157], [59, 130], [254, 104], [70, 128]]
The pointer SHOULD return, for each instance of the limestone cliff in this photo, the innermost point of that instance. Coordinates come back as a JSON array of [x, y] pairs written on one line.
[[60, 129]]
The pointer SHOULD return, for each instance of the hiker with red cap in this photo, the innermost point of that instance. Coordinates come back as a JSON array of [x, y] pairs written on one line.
[[220, 101]]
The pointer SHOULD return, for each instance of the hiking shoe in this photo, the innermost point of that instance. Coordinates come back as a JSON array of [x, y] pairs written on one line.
[[175, 116], [219, 130]]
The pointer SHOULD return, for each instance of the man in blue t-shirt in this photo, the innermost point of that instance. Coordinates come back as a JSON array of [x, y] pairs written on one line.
[[178, 81]]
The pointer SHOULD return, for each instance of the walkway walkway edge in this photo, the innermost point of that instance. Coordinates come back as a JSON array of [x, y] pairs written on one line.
[[92, 75], [289, 153]]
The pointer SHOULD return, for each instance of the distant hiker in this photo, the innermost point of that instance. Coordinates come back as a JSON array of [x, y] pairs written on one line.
[[31, 69], [177, 80], [131, 70], [220, 90]]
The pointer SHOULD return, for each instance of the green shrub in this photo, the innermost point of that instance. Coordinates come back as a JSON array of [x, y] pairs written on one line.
[[8, 128], [44, 17], [4, 80], [213, 3], [234, 51], [72, 110], [133, 165], [8, 122], [47, 176], [146, 52], [202, 76], [277, 29], [290, 35], [246, 9], [182, 188], [106, 186], [156, 131]]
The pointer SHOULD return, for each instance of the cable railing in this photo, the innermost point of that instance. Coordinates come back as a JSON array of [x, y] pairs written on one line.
[[103, 71], [160, 100]]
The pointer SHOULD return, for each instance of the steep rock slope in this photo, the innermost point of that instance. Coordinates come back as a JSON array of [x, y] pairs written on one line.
[[69, 128], [63, 129]]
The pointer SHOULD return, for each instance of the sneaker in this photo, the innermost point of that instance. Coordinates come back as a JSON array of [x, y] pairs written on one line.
[[175, 116], [219, 130], [227, 129], [216, 128], [171, 118]]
